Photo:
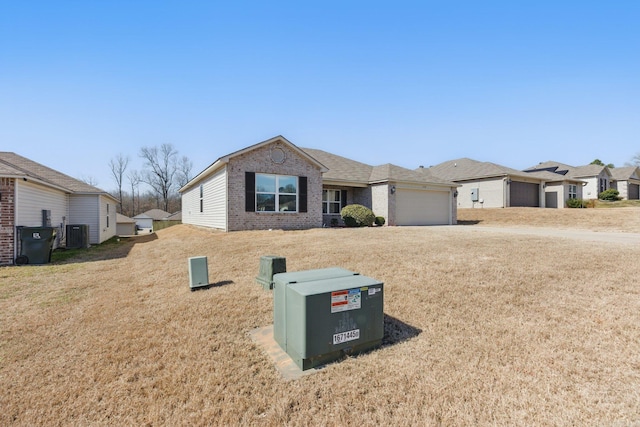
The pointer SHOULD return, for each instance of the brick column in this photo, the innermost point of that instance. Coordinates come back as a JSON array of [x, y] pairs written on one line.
[[7, 216]]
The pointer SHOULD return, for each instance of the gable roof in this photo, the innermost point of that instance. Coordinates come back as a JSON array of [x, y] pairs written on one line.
[[569, 171], [123, 219], [13, 165], [350, 172], [220, 162], [625, 173], [465, 169], [176, 216], [156, 214]]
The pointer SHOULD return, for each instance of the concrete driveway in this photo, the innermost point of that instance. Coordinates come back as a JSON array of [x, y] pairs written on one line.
[[582, 235]]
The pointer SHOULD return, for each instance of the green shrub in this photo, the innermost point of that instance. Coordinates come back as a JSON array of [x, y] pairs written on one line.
[[357, 216], [575, 203], [379, 220], [609, 194]]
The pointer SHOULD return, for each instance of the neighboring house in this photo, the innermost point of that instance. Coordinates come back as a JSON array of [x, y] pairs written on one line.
[[125, 226], [627, 181], [400, 195], [489, 185], [143, 221], [596, 178], [32, 194], [275, 184]]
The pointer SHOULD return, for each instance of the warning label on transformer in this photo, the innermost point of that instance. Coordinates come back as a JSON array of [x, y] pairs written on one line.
[[345, 300]]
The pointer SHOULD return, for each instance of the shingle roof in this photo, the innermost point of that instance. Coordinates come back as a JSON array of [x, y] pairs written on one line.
[[122, 219], [13, 165], [569, 171], [344, 169], [467, 169], [625, 173], [156, 214]]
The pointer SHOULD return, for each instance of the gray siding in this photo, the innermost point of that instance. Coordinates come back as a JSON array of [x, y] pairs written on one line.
[[32, 199], [84, 209]]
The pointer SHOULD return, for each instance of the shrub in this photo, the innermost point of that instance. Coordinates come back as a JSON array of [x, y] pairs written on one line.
[[357, 216], [610, 194], [575, 203], [379, 220]]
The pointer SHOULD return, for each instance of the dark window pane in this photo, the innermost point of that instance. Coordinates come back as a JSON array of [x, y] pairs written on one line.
[[266, 202], [287, 203]]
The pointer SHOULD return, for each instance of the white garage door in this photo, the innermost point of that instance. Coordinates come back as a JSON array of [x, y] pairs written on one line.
[[421, 207]]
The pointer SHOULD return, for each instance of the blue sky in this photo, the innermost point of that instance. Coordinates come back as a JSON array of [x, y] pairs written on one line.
[[410, 83]]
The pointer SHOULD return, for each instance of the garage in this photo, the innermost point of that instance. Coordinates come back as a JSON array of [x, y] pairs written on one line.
[[524, 194], [422, 207], [634, 192]]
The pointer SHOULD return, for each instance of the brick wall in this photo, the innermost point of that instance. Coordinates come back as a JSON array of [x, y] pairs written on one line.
[[7, 216], [259, 161]]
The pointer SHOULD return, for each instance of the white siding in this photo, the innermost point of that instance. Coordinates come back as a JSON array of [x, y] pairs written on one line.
[[84, 209], [32, 199], [107, 226], [491, 191], [214, 203]]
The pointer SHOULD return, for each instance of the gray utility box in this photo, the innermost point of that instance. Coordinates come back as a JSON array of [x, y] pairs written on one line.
[[198, 272], [321, 314]]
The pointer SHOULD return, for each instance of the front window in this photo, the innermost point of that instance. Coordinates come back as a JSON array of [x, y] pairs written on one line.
[[573, 191], [331, 202], [276, 193]]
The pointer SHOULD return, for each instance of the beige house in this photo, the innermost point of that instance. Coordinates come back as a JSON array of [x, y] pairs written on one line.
[[627, 181], [275, 184], [489, 185], [596, 178], [34, 195], [125, 226]]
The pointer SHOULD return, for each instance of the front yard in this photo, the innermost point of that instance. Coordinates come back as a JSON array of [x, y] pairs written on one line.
[[480, 330]]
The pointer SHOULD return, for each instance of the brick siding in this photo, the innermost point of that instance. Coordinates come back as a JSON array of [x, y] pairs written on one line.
[[259, 161], [7, 217]]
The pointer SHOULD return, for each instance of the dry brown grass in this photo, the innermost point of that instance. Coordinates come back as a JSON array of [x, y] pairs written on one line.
[[501, 330], [611, 219]]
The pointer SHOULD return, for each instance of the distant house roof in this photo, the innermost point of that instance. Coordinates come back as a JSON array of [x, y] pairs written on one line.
[[350, 172], [176, 216], [625, 173], [466, 169], [122, 219], [155, 214], [569, 171], [13, 165]]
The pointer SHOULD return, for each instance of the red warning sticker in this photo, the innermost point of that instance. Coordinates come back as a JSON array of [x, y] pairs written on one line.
[[345, 300]]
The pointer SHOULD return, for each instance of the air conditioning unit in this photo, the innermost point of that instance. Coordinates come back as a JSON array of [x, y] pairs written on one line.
[[77, 236]]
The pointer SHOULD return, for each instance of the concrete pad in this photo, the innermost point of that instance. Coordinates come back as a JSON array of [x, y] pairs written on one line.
[[283, 363]]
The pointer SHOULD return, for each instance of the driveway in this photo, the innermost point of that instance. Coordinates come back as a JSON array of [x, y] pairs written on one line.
[[582, 235]]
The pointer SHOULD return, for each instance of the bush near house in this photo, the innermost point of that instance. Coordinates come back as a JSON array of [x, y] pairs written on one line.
[[357, 216], [610, 194], [576, 203], [379, 220]]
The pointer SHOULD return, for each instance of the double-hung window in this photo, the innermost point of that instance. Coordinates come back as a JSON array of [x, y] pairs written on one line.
[[573, 191], [201, 198], [276, 193], [331, 201]]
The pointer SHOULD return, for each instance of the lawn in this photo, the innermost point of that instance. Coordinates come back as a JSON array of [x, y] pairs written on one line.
[[481, 329]]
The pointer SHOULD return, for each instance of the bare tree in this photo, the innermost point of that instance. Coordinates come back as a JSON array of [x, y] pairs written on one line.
[[162, 167], [118, 166], [89, 180], [134, 181], [183, 175], [635, 160]]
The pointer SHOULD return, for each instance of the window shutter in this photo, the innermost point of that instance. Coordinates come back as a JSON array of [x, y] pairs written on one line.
[[302, 188], [250, 191], [343, 198]]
